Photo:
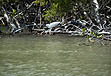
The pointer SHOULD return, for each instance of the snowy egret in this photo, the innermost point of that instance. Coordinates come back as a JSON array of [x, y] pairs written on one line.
[[53, 24]]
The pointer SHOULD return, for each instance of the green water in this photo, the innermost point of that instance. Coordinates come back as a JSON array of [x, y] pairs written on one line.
[[54, 56]]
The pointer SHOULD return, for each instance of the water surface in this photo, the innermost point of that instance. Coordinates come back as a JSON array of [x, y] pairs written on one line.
[[54, 56]]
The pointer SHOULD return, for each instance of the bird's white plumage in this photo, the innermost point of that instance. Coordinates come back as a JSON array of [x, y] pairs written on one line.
[[53, 24]]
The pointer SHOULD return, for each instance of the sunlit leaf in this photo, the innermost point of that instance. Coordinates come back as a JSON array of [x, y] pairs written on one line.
[[91, 40]]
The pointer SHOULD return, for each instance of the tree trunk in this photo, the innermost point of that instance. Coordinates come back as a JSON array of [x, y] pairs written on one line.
[[13, 27], [40, 13]]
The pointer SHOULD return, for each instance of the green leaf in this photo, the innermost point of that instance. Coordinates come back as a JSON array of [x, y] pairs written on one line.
[[36, 2], [100, 36], [14, 11], [91, 33], [83, 30], [90, 39]]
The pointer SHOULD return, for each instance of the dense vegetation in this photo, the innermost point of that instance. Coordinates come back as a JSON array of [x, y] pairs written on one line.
[[90, 17]]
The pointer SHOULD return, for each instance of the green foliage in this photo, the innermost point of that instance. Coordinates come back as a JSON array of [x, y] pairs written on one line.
[[41, 2], [83, 30], [64, 6], [91, 40], [61, 7], [50, 13], [3, 2], [19, 15], [94, 35], [36, 2], [4, 29], [57, 7], [13, 13], [100, 36]]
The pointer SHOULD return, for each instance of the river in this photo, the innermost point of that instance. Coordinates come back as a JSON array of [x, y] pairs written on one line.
[[54, 56]]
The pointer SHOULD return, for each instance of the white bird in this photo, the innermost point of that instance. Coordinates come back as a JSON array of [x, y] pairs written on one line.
[[53, 24], [50, 26]]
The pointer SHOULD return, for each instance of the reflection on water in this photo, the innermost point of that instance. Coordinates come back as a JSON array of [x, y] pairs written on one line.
[[53, 56]]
